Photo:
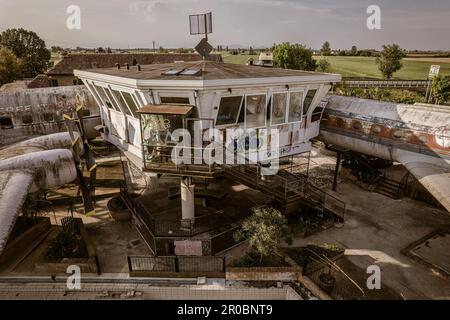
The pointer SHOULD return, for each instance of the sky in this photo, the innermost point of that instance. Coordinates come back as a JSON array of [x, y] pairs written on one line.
[[413, 24]]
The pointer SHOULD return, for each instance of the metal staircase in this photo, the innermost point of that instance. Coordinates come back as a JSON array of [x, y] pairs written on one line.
[[290, 190]]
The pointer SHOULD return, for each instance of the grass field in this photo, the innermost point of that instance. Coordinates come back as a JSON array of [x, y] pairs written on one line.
[[365, 67]]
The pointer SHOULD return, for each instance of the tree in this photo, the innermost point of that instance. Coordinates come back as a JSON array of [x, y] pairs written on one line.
[[10, 66], [390, 59], [264, 229], [354, 51], [28, 47], [326, 49], [441, 88], [323, 65], [293, 56]]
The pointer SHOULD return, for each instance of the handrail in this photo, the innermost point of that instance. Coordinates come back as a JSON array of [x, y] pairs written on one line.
[[177, 227], [299, 186]]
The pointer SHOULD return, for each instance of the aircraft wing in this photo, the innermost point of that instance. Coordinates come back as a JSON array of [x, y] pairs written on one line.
[[434, 177], [14, 186]]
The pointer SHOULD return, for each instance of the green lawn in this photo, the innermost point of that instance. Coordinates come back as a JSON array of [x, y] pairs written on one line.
[[55, 57], [363, 67], [238, 59]]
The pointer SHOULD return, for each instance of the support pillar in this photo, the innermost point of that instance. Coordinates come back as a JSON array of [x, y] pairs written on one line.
[[337, 169], [187, 202]]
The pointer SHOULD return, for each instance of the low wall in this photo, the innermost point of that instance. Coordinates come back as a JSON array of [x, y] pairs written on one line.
[[20, 246], [88, 264], [263, 273]]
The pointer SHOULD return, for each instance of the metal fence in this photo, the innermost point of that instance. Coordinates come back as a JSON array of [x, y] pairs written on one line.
[[176, 264], [385, 83], [177, 227]]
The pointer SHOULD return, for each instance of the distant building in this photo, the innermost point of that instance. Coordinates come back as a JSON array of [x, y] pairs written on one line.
[[62, 73], [265, 59]]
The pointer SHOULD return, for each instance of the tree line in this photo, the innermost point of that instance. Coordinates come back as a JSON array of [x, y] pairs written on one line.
[[23, 54]]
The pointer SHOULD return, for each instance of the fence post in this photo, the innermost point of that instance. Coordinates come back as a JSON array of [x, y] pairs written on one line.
[[177, 266], [130, 268]]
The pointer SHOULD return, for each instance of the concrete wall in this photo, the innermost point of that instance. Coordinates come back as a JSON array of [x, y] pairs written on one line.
[[45, 107], [263, 274]]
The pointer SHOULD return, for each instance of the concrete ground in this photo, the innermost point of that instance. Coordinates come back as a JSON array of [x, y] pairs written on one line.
[[376, 229]]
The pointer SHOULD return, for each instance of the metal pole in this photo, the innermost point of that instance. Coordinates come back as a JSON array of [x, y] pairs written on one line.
[[336, 170], [206, 27]]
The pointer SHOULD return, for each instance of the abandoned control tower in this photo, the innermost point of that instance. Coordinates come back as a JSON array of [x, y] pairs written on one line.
[[247, 109]]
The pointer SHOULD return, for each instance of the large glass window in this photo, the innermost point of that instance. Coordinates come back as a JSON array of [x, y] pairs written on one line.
[[295, 106], [130, 102], [94, 93], [279, 105], [228, 110], [138, 98], [174, 100], [308, 100], [103, 96], [111, 99], [255, 111], [121, 101]]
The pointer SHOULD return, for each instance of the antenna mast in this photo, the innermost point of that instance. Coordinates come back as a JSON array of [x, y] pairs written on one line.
[[201, 24]]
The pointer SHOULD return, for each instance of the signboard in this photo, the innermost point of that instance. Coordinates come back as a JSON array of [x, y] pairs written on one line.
[[204, 48], [200, 23], [434, 71]]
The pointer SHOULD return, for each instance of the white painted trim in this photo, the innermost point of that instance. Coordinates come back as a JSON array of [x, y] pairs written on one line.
[[208, 84]]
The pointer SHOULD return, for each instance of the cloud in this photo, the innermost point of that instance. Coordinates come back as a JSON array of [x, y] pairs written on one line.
[[121, 23]]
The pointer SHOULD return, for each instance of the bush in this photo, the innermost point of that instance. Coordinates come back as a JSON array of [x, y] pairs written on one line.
[[293, 56], [263, 230], [389, 95]]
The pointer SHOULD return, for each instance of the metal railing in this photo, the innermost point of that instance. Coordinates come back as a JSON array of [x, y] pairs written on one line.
[[187, 264], [287, 186], [385, 83], [161, 154], [179, 227]]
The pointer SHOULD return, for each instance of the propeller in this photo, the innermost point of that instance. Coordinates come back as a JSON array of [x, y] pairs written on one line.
[[87, 190]]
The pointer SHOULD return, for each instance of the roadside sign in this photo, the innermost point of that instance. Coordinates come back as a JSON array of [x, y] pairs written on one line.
[[434, 71]]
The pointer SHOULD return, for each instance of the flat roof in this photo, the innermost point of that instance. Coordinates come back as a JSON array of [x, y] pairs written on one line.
[[169, 109], [210, 70]]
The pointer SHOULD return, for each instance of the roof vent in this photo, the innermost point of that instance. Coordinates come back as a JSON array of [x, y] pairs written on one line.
[[191, 72], [172, 72]]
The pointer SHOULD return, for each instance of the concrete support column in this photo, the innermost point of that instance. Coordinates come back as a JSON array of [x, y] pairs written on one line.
[[187, 201], [336, 170]]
